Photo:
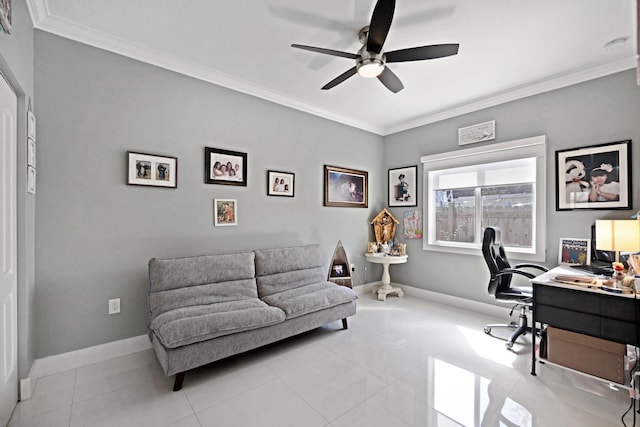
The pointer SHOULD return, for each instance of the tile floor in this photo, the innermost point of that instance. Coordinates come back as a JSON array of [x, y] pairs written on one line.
[[403, 362]]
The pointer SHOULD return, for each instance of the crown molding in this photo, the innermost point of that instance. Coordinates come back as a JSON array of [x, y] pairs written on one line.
[[45, 21], [70, 30], [553, 83]]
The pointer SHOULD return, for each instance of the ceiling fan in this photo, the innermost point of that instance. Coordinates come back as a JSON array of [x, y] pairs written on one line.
[[371, 60]]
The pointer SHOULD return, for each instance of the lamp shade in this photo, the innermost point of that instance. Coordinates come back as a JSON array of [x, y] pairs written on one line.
[[619, 235]]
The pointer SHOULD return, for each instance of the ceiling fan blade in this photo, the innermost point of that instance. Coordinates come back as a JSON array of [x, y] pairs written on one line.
[[380, 24], [390, 80], [326, 51], [422, 53], [342, 77]]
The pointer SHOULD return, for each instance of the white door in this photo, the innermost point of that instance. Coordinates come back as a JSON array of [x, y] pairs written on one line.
[[8, 254]]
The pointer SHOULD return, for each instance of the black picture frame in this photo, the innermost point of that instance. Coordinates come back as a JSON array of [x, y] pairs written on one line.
[[607, 165], [284, 186], [152, 170], [217, 170], [345, 187], [403, 189]]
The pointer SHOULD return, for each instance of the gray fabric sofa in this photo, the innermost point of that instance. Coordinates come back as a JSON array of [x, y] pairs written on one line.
[[206, 308]]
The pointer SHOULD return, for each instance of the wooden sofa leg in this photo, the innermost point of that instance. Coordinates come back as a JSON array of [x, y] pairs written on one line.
[[177, 385], [344, 324]]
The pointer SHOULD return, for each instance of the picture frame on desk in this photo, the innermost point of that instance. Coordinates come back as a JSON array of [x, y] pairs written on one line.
[[574, 251], [594, 177]]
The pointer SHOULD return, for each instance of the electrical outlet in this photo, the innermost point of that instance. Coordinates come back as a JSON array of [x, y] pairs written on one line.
[[114, 306], [353, 267]]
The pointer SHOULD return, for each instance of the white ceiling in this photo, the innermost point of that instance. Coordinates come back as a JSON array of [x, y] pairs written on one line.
[[508, 49]]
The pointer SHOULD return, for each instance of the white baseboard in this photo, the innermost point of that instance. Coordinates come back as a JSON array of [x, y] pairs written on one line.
[[466, 304], [75, 359]]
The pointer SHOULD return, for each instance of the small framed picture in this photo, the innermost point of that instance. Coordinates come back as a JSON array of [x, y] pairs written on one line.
[[5, 15], [31, 153], [402, 186], [225, 167], [152, 170], [574, 251], [594, 177], [225, 212], [31, 124], [345, 187], [280, 183], [412, 222], [339, 270], [31, 180]]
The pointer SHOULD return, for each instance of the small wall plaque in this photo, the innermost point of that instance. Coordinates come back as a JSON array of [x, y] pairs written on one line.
[[477, 133]]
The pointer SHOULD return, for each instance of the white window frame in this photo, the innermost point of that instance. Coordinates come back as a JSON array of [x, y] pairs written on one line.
[[521, 148]]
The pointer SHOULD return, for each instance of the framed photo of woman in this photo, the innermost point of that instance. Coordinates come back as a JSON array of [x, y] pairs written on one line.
[[594, 177]]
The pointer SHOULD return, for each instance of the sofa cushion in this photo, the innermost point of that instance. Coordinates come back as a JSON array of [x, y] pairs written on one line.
[[281, 269], [192, 324], [310, 298], [200, 280]]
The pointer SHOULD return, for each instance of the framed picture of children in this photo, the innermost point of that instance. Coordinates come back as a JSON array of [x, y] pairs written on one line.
[[402, 186], [280, 183], [225, 167], [152, 170], [594, 177]]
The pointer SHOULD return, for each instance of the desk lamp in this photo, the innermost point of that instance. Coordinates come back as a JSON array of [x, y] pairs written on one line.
[[618, 235]]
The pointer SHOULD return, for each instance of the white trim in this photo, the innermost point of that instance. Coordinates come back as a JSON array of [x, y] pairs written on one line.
[[45, 21], [440, 298], [535, 88], [532, 145], [70, 30], [75, 359]]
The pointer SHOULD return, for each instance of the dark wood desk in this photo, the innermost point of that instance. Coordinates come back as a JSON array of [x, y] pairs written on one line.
[[588, 311]]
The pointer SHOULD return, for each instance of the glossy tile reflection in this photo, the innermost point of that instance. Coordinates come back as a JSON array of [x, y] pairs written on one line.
[[402, 362]]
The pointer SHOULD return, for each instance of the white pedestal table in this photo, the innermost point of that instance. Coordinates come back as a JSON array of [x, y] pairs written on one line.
[[386, 260]]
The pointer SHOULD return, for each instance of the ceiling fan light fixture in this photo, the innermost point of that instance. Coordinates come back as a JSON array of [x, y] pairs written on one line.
[[369, 68]]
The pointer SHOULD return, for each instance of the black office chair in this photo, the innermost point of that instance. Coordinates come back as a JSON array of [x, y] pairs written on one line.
[[500, 282]]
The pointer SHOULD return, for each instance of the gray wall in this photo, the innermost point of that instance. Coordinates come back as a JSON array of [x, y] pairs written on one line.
[[95, 234], [16, 64], [598, 111]]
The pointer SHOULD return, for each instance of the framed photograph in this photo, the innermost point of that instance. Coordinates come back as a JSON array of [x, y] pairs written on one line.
[[412, 221], [339, 270], [31, 180], [225, 167], [31, 125], [31, 153], [5, 15], [280, 183], [152, 170], [402, 186], [345, 187], [594, 177], [225, 212], [574, 251]]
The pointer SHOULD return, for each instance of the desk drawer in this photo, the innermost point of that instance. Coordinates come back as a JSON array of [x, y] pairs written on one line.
[[567, 299], [582, 323]]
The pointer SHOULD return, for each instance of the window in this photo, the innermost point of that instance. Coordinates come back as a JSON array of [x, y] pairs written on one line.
[[496, 185]]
